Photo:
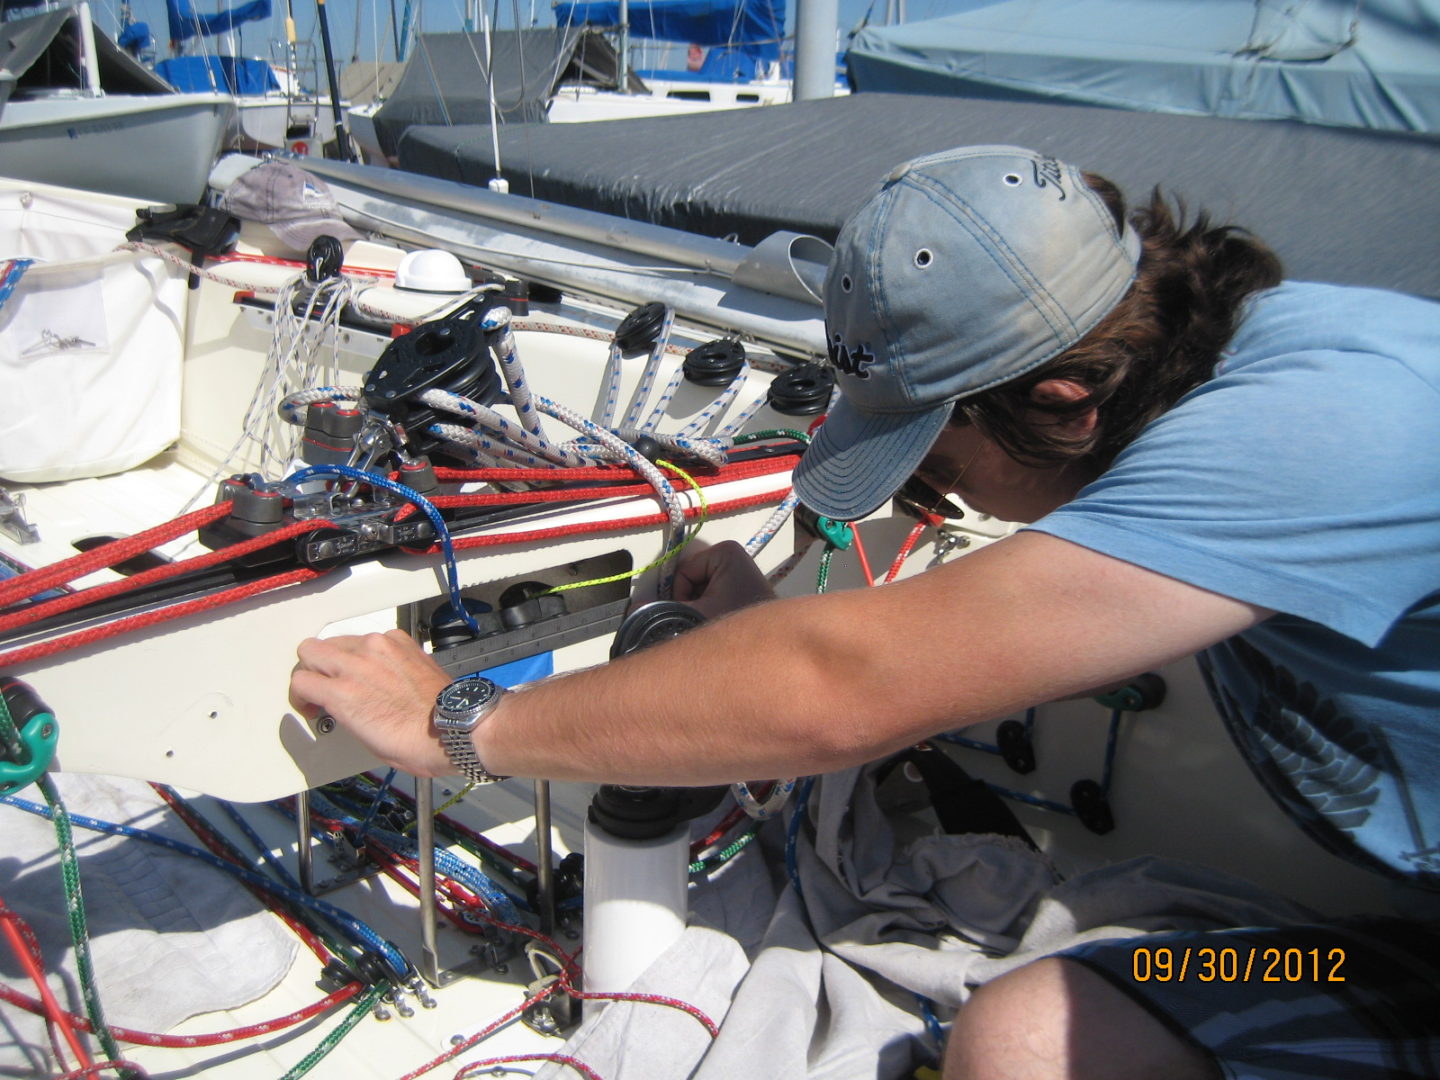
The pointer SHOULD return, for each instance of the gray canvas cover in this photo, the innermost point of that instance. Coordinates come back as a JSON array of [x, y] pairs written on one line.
[[1345, 206], [1372, 65], [39, 52], [447, 78]]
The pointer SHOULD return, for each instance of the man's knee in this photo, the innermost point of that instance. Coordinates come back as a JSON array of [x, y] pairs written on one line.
[[1055, 1019]]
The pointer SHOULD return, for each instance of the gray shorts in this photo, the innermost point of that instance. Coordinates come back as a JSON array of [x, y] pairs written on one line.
[[1351, 1000]]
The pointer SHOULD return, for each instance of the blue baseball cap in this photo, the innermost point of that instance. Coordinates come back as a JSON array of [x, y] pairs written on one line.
[[966, 269]]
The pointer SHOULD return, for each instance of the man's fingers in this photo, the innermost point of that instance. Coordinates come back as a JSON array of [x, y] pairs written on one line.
[[308, 691], [337, 655]]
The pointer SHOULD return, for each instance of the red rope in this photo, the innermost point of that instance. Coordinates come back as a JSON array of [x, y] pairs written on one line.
[[206, 836], [562, 1059], [27, 951], [100, 1066], [150, 618], [87, 562], [860, 554], [744, 470], [219, 1038], [645, 999], [484, 1033], [144, 541], [730, 821], [757, 467], [618, 525], [910, 541], [34, 612], [464, 830], [273, 260]]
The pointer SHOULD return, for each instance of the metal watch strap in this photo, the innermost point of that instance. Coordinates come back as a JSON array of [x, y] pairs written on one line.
[[460, 749]]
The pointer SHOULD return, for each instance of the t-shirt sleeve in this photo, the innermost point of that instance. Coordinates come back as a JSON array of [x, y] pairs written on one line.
[[1308, 483]]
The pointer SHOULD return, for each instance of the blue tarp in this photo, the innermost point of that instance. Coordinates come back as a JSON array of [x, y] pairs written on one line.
[[1372, 65], [186, 23], [194, 74], [135, 38], [751, 27]]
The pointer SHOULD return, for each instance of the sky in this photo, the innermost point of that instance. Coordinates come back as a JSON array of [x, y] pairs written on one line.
[[356, 25]]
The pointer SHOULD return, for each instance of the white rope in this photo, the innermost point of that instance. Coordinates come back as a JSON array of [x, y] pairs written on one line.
[[524, 447], [770, 806], [674, 509], [652, 368], [772, 526], [292, 364]]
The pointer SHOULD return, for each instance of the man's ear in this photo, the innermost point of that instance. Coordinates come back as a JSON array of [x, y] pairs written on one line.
[[1067, 392]]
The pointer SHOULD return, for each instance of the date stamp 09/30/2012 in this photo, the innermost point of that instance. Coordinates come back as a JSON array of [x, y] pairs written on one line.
[[1236, 965]]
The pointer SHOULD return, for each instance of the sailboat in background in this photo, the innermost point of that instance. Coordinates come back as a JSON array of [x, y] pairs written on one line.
[[75, 104], [583, 69], [280, 108], [735, 57]]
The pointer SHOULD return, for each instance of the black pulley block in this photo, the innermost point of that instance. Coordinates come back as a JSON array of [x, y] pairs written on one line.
[[1092, 806], [803, 390], [716, 363], [323, 259], [528, 602], [22, 701], [1015, 746], [641, 328], [451, 354], [448, 628], [646, 813], [1143, 692]]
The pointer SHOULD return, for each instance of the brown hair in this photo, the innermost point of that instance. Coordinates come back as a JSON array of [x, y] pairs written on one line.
[[1162, 339]]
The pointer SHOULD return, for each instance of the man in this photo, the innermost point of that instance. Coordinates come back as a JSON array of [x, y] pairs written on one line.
[[1198, 448]]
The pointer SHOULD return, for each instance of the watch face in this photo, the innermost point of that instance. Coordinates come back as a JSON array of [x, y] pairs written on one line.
[[466, 694]]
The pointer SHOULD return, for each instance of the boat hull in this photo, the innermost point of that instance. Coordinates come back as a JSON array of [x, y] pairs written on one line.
[[159, 148]]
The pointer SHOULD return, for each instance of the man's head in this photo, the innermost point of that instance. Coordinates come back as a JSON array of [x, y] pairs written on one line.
[[966, 270]]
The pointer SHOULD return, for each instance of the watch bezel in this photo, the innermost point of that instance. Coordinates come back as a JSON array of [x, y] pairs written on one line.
[[450, 717]]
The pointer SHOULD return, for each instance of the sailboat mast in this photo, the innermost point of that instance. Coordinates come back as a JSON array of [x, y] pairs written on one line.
[[622, 70], [90, 69], [342, 139], [292, 56], [816, 25]]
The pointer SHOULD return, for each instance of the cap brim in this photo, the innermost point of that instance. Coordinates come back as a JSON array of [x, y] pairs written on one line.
[[300, 232], [857, 460]]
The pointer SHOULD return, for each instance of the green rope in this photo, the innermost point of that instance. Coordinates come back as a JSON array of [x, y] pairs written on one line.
[[822, 579], [10, 735], [74, 900], [355, 1015], [724, 856], [772, 433]]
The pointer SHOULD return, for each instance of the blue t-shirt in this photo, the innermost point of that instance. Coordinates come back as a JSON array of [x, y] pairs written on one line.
[[1305, 478]]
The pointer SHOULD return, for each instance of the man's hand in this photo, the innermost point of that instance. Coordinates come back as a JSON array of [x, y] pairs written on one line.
[[379, 687], [720, 579]]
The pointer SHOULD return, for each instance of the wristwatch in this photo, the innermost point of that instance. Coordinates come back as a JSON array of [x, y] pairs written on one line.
[[459, 708]]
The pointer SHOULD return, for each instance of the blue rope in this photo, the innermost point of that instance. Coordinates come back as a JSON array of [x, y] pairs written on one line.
[[932, 1022], [477, 881], [347, 923], [356, 802], [375, 802], [11, 272], [259, 844], [421, 503]]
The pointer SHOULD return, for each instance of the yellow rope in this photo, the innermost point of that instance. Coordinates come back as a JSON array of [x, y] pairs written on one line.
[[704, 511]]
